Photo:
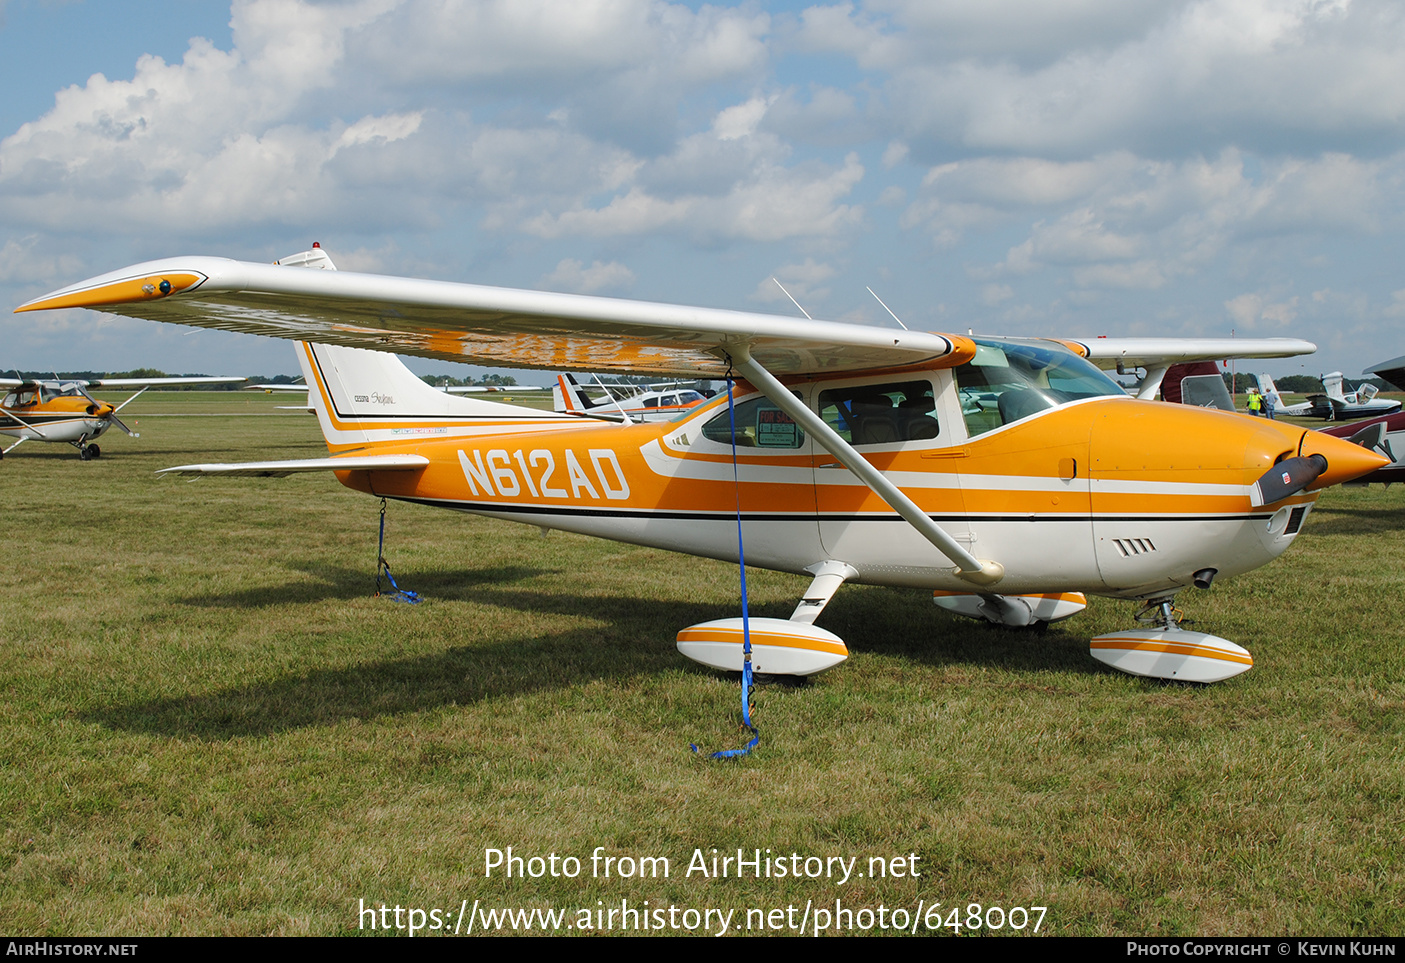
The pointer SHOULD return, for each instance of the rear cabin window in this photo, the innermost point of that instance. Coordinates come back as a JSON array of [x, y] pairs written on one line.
[[760, 424], [881, 414]]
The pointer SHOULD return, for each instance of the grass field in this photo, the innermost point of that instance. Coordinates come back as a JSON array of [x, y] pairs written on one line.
[[211, 727]]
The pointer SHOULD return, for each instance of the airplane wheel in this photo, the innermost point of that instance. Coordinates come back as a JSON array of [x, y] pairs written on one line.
[[94, 451], [82, 454]]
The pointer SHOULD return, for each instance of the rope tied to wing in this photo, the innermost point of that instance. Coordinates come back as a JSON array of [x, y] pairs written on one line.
[[748, 682], [395, 592]]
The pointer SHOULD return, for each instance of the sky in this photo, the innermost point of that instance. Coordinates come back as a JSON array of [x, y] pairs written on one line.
[[1017, 167]]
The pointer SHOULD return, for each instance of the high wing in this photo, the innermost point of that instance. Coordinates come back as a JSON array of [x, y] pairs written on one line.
[[1159, 355], [1108, 353], [535, 329], [488, 325]]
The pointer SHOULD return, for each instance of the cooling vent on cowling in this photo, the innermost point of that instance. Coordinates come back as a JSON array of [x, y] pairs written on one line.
[[1132, 547]]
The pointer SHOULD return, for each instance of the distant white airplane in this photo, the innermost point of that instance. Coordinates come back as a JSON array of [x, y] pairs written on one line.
[[657, 402], [448, 389], [1333, 404]]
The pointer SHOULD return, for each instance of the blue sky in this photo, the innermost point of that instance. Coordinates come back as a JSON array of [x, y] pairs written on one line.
[[1012, 167]]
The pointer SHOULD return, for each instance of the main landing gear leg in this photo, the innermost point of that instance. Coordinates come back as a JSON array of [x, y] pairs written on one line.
[[791, 647]]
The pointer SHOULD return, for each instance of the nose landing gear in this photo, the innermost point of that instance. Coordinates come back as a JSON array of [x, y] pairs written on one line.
[[1163, 650]]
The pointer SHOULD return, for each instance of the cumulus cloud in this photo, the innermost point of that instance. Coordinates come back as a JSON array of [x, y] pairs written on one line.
[[24, 260], [572, 275], [1174, 76], [1166, 163], [242, 137], [993, 294], [1255, 310], [1120, 221], [728, 182], [803, 281]]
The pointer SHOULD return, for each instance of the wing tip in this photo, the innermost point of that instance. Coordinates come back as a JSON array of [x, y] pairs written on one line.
[[147, 287]]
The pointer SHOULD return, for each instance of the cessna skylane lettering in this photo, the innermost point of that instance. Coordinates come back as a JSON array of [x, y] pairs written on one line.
[[1009, 477], [63, 411]]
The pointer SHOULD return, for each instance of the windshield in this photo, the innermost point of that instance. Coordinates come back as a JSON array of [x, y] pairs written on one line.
[[1010, 380]]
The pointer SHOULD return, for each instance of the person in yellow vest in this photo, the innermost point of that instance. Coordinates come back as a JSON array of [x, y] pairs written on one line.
[[1256, 402]]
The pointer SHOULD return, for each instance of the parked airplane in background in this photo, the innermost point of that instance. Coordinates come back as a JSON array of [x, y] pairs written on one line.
[[1333, 404], [658, 402], [447, 389], [1008, 477], [1384, 434], [64, 411]]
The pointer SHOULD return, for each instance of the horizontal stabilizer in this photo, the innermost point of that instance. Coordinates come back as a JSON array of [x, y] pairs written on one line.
[[280, 469]]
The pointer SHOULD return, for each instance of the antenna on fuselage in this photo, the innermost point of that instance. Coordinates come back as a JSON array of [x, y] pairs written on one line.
[[792, 299], [885, 307]]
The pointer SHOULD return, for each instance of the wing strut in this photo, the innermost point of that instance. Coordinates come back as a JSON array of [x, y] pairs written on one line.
[[968, 566]]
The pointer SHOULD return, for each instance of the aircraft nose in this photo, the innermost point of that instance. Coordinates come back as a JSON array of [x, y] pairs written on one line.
[[1345, 460]]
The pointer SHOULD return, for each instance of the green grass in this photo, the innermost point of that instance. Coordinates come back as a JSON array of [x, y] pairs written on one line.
[[211, 727]]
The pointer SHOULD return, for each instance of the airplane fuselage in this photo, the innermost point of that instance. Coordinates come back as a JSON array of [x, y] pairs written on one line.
[[64, 419], [1068, 499]]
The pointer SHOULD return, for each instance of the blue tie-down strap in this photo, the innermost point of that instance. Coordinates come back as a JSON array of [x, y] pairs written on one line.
[[396, 593], [748, 686]]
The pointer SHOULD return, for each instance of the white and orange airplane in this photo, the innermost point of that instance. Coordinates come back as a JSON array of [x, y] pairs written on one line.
[[63, 410], [1009, 477]]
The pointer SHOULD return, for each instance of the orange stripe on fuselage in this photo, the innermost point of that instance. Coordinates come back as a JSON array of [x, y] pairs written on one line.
[[594, 464]]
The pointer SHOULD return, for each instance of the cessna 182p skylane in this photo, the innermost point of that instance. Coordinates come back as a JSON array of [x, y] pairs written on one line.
[[64, 411], [1009, 477]]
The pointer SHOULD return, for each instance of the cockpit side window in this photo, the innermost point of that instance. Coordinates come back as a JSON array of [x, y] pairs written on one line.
[[1010, 380]]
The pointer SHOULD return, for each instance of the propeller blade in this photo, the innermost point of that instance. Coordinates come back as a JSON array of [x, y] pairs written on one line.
[[111, 414], [118, 422], [1288, 477], [1373, 438]]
